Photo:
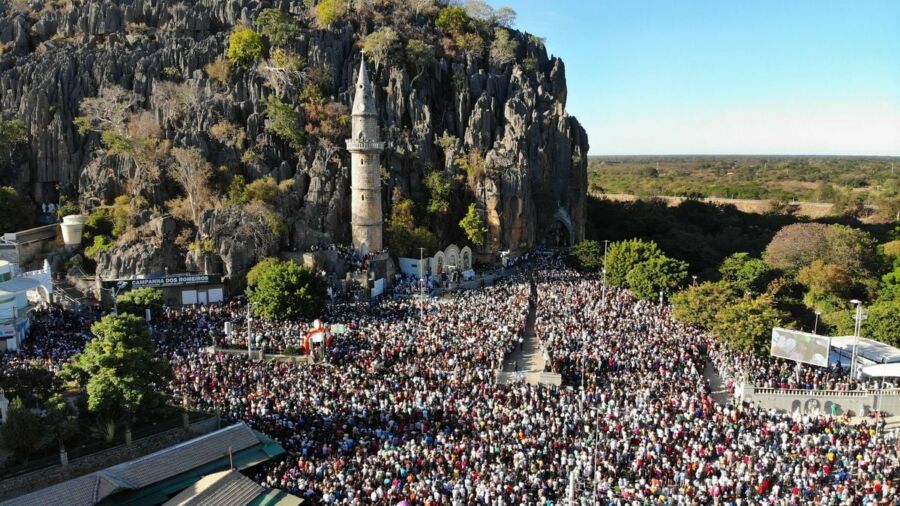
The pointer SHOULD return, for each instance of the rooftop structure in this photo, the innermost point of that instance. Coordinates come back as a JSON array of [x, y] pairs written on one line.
[[159, 477]]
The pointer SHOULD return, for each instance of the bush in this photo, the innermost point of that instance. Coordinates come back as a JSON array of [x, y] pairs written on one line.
[[219, 70], [101, 243], [67, 207], [439, 188], [245, 46], [293, 351]]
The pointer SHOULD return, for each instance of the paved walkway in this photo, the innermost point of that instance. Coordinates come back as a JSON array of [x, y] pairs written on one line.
[[529, 358]]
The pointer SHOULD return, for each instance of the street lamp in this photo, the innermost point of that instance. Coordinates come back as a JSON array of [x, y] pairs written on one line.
[[816, 324], [603, 301], [695, 279], [856, 331], [249, 335]]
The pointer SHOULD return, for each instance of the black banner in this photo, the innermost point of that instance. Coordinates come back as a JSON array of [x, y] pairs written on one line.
[[164, 282]]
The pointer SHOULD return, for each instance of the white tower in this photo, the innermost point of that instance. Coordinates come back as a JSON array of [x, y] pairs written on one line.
[[365, 170]]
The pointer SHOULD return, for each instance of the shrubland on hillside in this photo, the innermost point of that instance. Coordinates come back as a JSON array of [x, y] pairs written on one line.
[[212, 132]]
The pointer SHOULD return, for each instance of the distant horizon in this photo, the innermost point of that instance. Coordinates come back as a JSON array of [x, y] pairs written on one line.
[[710, 77], [736, 155]]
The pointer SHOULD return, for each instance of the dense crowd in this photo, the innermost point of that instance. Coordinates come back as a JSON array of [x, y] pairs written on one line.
[[406, 407]]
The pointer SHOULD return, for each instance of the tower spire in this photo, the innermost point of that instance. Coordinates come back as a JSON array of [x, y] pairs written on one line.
[[365, 171], [364, 99]]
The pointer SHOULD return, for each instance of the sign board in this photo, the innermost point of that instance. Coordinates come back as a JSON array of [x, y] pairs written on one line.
[[338, 329], [165, 281], [800, 347], [378, 287]]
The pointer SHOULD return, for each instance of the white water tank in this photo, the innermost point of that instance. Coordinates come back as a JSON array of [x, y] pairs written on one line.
[[72, 228]]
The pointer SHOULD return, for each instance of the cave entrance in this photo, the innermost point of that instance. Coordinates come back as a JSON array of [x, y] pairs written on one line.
[[561, 233]]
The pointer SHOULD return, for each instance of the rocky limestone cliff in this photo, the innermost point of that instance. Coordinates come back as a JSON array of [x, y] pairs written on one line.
[[514, 115]]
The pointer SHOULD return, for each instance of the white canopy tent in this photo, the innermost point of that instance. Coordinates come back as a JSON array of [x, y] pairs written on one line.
[[882, 370]]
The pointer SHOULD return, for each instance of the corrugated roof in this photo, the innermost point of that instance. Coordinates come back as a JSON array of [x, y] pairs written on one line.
[[226, 488], [135, 474]]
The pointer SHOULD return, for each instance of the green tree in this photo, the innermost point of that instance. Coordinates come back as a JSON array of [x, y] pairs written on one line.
[[13, 135], [61, 421], [823, 279], [138, 300], [21, 430], [261, 267], [15, 214], [284, 122], [329, 12], [403, 214], [588, 255], [890, 284], [883, 322], [747, 324], [474, 227], [378, 45], [439, 188], [277, 26], [503, 48], [119, 369], [420, 55], [798, 245], [287, 291], [660, 273], [699, 304], [403, 235], [453, 19], [746, 273], [245, 46], [624, 256]]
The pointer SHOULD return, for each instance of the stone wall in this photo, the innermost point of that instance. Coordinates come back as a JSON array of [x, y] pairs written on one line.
[[854, 403]]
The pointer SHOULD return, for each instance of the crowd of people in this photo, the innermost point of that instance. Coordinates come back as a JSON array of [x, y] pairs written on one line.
[[406, 408]]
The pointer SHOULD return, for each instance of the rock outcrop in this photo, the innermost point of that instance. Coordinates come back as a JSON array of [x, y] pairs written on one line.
[[513, 115]]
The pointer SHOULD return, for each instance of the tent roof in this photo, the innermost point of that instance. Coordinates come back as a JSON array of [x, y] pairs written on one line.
[[882, 370], [875, 351], [17, 285]]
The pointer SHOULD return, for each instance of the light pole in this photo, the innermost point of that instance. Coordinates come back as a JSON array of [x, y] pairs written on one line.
[[816, 323], [249, 335], [422, 284], [603, 300], [856, 331]]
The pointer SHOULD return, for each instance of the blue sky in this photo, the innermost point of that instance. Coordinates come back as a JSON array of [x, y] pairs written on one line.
[[727, 77]]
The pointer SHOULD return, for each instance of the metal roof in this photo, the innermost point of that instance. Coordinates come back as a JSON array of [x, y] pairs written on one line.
[[139, 473], [225, 488]]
